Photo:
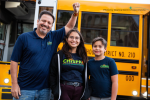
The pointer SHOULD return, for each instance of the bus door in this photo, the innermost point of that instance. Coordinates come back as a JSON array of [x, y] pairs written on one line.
[[145, 84], [50, 5], [2, 39]]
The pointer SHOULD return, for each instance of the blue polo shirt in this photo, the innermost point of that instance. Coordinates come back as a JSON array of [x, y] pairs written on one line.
[[34, 55], [100, 79]]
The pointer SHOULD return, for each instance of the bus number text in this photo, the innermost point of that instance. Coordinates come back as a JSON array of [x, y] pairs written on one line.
[[131, 54], [129, 78]]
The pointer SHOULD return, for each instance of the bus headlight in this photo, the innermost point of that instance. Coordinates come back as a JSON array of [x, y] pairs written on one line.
[[6, 80], [145, 94], [134, 93]]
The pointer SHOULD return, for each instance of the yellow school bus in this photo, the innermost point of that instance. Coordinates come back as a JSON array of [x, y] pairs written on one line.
[[124, 25], [5, 81]]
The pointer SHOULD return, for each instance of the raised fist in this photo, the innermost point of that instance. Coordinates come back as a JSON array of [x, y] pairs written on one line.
[[76, 7]]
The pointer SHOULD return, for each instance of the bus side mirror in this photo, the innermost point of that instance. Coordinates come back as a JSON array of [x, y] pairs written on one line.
[[39, 1]]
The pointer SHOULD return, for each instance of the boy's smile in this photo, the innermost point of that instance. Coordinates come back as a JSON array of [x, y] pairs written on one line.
[[98, 48]]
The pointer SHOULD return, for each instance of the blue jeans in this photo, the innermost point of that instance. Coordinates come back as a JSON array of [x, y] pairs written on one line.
[[43, 94]]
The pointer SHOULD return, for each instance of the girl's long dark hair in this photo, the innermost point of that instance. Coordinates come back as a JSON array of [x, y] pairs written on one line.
[[81, 51]]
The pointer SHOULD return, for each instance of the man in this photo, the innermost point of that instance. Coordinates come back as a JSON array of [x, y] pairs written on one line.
[[34, 51]]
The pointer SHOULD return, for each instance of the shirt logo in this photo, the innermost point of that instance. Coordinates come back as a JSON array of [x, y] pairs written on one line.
[[72, 62], [49, 43], [104, 66]]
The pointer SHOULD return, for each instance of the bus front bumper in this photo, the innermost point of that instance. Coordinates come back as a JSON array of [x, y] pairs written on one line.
[[5, 93]]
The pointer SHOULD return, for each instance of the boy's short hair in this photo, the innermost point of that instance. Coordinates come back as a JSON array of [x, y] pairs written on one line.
[[104, 42]]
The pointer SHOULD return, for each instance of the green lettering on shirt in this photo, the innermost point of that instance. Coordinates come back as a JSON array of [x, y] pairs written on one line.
[[104, 66]]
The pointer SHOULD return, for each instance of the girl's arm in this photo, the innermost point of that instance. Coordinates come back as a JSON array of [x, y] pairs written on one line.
[[114, 90]]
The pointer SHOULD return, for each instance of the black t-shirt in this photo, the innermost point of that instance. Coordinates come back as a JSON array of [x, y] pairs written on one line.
[[100, 79], [72, 69]]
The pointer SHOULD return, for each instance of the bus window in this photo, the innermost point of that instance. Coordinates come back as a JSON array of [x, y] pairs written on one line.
[[24, 27], [46, 8], [94, 25], [125, 30], [13, 33], [63, 18]]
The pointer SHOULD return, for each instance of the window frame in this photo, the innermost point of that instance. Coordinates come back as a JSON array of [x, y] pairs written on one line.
[[125, 30], [96, 13]]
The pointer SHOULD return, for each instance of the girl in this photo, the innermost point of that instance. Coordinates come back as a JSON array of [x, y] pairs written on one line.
[[68, 70]]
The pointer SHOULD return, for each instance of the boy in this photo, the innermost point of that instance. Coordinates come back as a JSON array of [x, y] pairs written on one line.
[[103, 71]]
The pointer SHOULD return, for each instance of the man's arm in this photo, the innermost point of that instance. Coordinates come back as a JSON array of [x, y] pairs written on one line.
[[15, 89], [114, 80], [71, 23]]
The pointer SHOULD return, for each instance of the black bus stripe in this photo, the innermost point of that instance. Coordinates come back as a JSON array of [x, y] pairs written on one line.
[[6, 96], [6, 63], [127, 60], [128, 73], [123, 60], [6, 90]]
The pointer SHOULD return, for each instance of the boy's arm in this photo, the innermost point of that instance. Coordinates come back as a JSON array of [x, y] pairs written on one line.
[[71, 23], [114, 90]]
